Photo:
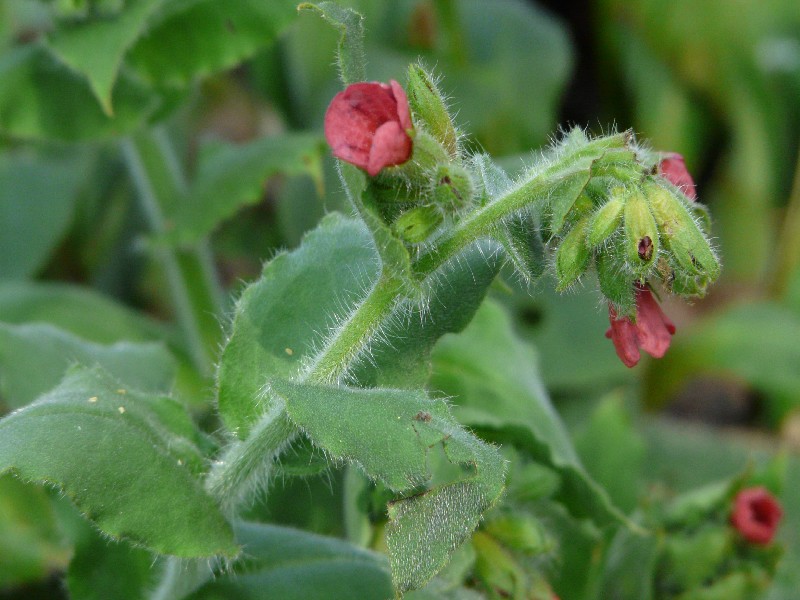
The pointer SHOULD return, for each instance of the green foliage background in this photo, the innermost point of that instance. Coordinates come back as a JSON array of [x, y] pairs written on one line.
[[154, 153]]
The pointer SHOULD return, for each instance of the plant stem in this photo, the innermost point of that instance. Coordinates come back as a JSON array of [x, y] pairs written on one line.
[[788, 248], [196, 296], [355, 333]]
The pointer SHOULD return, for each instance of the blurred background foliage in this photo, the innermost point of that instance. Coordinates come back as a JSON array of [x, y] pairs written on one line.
[[233, 135]]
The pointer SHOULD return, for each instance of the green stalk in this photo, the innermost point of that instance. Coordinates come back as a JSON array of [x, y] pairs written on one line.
[[788, 252], [195, 294]]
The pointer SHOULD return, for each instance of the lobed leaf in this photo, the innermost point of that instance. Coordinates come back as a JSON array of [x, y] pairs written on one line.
[[195, 38], [125, 459]]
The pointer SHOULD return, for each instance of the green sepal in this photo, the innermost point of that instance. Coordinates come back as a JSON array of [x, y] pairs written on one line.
[[606, 220], [572, 257], [453, 187], [681, 234], [429, 108], [416, 225], [522, 240], [616, 283], [641, 234]]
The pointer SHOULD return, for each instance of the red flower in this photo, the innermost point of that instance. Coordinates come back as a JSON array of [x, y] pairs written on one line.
[[651, 332], [673, 169], [367, 125], [756, 514]]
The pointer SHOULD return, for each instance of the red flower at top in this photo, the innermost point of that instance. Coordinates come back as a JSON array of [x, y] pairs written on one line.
[[756, 514], [367, 125], [651, 332], [673, 169]]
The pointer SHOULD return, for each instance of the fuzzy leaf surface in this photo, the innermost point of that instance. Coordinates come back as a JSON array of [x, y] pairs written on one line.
[[281, 320], [391, 434], [126, 459], [493, 378]]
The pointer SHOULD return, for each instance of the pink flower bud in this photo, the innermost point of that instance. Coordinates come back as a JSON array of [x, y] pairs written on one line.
[[756, 514], [673, 169], [367, 125], [651, 332]]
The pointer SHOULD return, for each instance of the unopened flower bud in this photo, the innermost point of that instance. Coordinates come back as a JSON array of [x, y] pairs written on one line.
[[368, 126], [429, 107], [606, 220], [572, 257], [454, 187], [416, 225], [681, 235], [641, 233]]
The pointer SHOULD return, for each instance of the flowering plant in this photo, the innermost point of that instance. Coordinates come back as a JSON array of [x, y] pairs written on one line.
[[367, 418]]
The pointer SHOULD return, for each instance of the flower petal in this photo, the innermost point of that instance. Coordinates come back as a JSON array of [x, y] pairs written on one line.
[[653, 328], [673, 169], [390, 146]]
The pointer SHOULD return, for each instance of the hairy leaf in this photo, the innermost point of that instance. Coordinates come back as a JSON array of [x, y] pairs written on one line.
[[493, 378], [391, 435], [350, 55], [282, 320], [126, 459]]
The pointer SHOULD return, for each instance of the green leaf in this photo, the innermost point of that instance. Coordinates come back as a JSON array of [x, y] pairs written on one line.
[[34, 357], [37, 197], [350, 50], [230, 177], [32, 543], [756, 343], [618, 468], [123, 458], [291, 564], [102, 569], [195, 38], [282, 319], [79, 46], [42, 99], [391, 435], [78, 310], [494, 380]]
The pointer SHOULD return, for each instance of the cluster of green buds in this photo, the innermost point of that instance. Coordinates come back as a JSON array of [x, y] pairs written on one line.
[[638, 226]]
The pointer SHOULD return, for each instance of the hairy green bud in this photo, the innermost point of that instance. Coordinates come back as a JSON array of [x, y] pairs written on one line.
[[688, 246], [430, 110], [572, 257], [416, 225], [641, 234], [606, 220], [453, 187]]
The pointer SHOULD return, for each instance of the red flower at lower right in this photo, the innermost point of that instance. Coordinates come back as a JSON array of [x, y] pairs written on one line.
[[756, 515]]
